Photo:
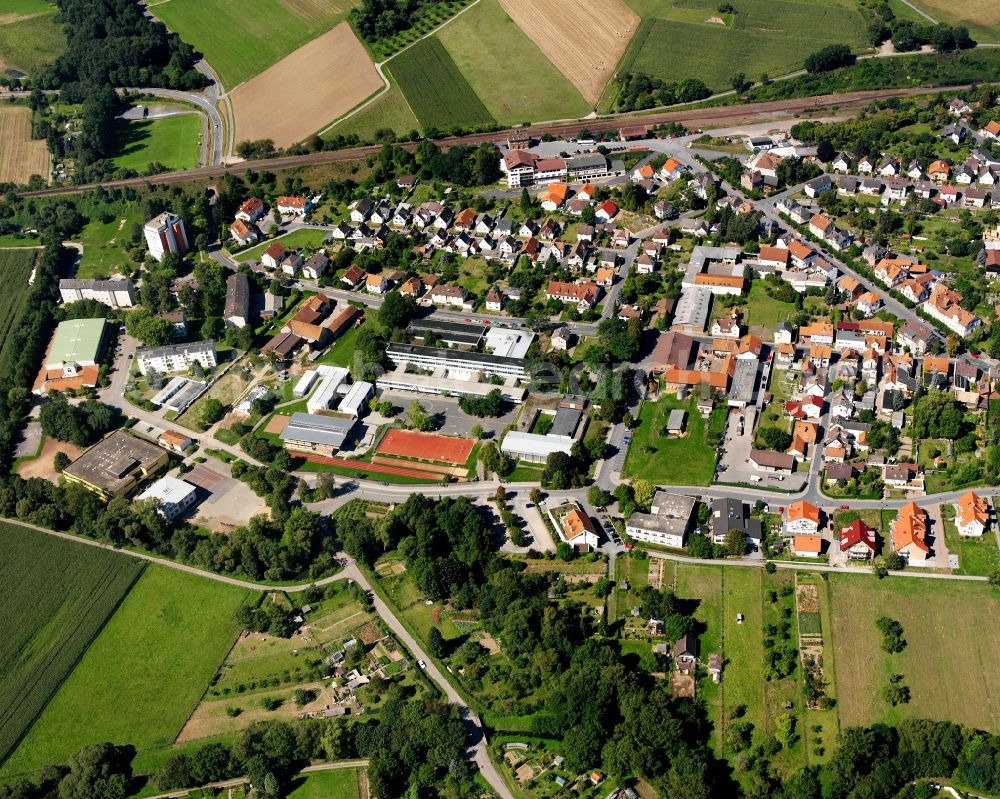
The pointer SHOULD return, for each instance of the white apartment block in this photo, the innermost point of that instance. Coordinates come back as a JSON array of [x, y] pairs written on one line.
[[165, 233], [113, 293], [176, 357]]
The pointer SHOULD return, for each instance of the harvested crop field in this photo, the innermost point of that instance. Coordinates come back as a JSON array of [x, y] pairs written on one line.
[[20, 156], [304, 91], [981, 16], [426, 447], [57, 597], [585, 39], [436, 89]]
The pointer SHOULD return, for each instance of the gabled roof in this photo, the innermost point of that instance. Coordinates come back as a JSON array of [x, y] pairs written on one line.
[[802, 510], [857, 532]]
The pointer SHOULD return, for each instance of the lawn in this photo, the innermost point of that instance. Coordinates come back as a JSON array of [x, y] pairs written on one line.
[[32, 40], [104, 246], [764, 36], [15, 266], [762, 312], [687, 460], [143, 675], [435, 88], [975, 555], [946, 661], [514, 89], [341, 783], [240, 45], [57, 597], [171, 141], [303, 238], [341, 352], [389, 112]]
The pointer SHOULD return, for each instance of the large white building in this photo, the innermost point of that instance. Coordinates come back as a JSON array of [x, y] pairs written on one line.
[[176, 357], [456, 361], [113, 293], [165, 233], [330, 380], [172, 496], [667, 523]]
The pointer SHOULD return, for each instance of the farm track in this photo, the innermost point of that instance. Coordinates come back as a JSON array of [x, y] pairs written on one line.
[[694, 118]]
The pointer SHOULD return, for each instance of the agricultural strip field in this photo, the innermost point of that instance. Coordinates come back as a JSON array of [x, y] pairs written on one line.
[[981, 17], [239, 42], [300, 94], [154, 658], [20, 156], [57, 597], [772, 37], [513, 78], [435, 88], [15, 266], [171, 141], [947, 663], [584, 39], [29, 38]]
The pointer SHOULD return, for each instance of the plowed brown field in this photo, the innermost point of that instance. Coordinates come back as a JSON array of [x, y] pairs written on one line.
[[585, 39], [306, 90]]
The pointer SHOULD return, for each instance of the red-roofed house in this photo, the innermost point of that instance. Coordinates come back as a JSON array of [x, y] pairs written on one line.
[[857, 541]]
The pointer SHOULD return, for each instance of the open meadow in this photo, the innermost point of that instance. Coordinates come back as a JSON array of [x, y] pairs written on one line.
[[105, 245], [143, 675], [171, 141], [513, 78], [435, 88], [681, 39], [20, 155], [687, 460], [15, 266], [343, 783], [300, 94], [981, 17], [947, 660], [29, 38], [584, 39], [239, 42], [57, 597]]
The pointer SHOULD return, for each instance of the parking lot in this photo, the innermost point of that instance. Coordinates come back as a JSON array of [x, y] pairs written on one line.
[[734, 465], [450, 420]]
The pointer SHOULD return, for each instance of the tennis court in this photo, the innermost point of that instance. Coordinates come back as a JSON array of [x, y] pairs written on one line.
[[426, 447]]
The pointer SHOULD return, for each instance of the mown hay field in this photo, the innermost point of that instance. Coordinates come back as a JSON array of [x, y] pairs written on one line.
[[240, 42], [951, 648], [57, 597], [982, 17], [435, 88], [316, 84], [509, 73], [143, 675], [772, 37], [29, 37], [20, 155], [584, 39]]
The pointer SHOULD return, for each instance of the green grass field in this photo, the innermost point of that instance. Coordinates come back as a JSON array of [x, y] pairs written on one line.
[[389, 112], [104, 246], [30, 39], [171, 141], [482, 42], [239, 42], [946, 663], [435, 88], [687, 460], [15, 266], [674, 41], [340, 783], [143, 675], [57, 597]]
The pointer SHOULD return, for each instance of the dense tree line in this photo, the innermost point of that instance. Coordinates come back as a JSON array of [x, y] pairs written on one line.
[[830, 57], [114, 43], [637, 91], [81, 424]]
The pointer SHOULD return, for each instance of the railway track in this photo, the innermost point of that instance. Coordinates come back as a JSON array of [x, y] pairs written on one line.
[[692, 118]]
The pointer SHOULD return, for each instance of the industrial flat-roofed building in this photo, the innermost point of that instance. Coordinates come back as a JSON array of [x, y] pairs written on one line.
[[176, 357], [113, 293], [71, 359], [440, 382], [172, 496], [178, 394], [509, 343], [455, 334], [532, 447], [744, 386], [116, 465], [435, 358], [316, 435]]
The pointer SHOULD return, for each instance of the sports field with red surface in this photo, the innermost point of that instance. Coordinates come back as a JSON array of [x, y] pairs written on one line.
[[426, 447]]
